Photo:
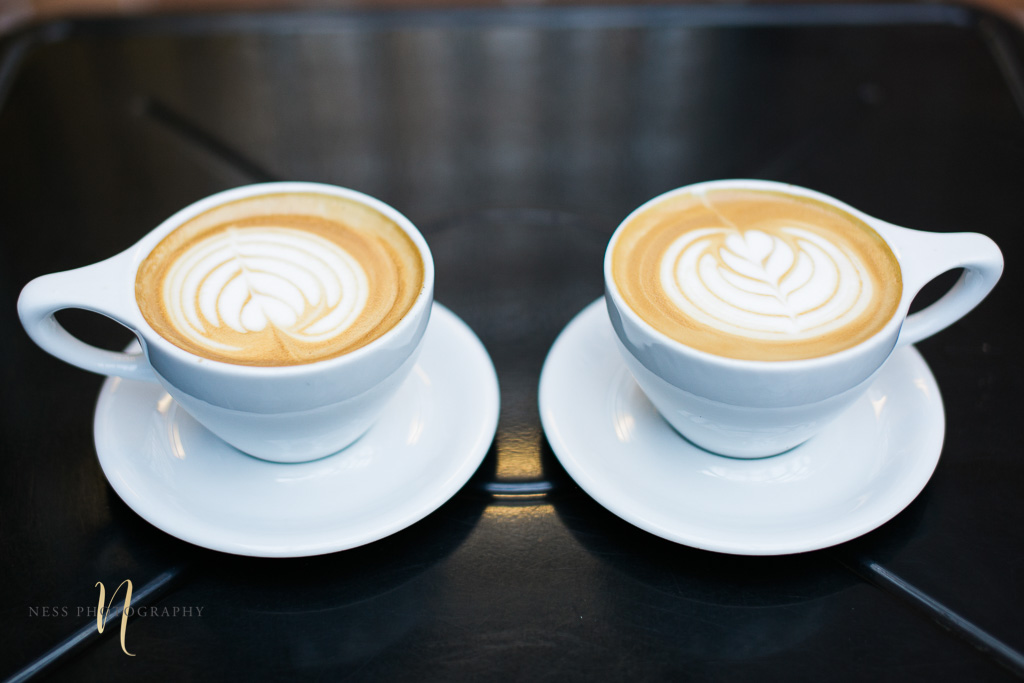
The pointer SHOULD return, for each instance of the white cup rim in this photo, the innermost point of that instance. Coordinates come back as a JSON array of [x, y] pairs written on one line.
[[888, 332], [150, 337]]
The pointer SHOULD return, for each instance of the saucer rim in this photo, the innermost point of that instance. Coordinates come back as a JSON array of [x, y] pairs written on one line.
[[915, 478], [487, 389]]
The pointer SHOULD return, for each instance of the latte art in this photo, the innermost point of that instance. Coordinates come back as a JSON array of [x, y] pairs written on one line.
[[280, 279], [792, 284], [302, 285], [756, 275]]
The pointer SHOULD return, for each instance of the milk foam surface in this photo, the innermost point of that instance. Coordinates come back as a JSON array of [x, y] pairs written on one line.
[[760, 285], [307, 287], [280, 280], [756, 275]]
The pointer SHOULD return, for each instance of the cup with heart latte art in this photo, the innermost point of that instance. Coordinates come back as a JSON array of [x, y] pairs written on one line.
[[752, 313], [282, 316]]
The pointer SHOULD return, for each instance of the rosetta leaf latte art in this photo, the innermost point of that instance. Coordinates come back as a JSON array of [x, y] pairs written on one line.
[[791, 282], [300, 284]]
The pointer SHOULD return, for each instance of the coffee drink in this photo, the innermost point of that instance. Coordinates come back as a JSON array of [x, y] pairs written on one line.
[[280, 279], [756, 274]]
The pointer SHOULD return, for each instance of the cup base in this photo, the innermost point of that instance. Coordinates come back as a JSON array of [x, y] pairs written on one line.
[[737, 431], [726, 455]]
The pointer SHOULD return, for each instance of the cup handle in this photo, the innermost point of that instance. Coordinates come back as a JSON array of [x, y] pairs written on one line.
[[98, 288], [926, 255]]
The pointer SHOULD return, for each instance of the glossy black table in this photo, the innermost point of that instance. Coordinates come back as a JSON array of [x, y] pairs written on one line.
[[516, 140]]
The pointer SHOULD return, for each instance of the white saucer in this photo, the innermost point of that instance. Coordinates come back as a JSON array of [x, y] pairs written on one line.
[[187, 482], [851, 478]]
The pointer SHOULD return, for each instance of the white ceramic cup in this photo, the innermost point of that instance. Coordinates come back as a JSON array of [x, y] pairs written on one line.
[[286, 414], [751, 409]]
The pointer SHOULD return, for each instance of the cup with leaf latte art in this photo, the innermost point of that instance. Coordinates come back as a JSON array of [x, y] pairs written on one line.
[[281, 316], [752, 313]]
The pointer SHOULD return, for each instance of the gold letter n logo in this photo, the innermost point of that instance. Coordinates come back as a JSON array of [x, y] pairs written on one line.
[[102, 613]]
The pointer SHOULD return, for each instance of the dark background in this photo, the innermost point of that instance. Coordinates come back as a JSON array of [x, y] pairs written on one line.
[[516, 140]]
